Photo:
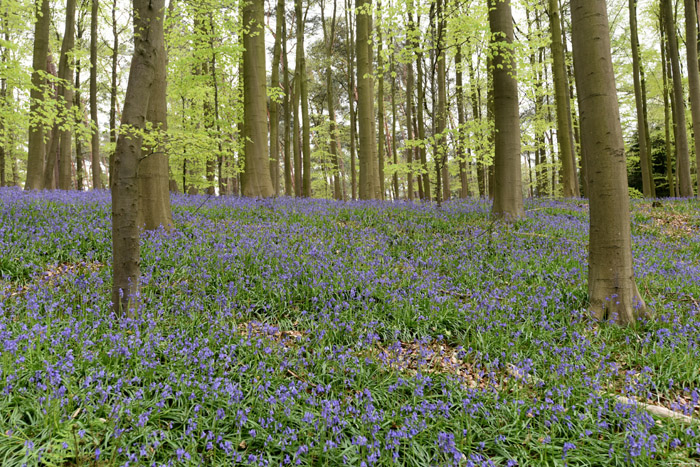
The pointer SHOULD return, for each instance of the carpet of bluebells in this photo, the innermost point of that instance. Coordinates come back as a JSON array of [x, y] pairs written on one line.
[[312, 332]]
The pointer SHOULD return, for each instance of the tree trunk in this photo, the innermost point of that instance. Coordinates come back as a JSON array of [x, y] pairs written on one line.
[[287, 114], [380, 106], [296, 138], [79, 119], [153, 171], [329, 40], [304, 98], [148, 28], [683, 160], [476, 115], [95, 133], [256, 179], [420, 123], [365, 103], [410, 149], [645, 118], [508, 192], [562, 98], [581, 177], [441, 114], [36, 145], [4, 137], [691, 43], [394, 139], [65, 74], [113, 89], [641, 132], [351, 98], [274, 105], [667, 111], [612, 291], [461, 120]]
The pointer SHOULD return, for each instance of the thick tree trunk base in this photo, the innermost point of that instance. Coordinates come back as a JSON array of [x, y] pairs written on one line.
[[621, 305]]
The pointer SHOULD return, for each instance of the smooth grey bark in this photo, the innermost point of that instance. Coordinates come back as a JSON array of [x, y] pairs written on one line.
[[36, 144], [612, 291], [65, 74], [561, 91], [639, 103], [153, 171], [691, 44], [365, 103], [113, 88], [304, 99], [148, 18], [508, 192], [351, 98], [667, 110], [256, 179], [95, 133], [682, 151], [274, 107]]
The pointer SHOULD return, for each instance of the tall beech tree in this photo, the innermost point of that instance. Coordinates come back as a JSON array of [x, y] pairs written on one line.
[[65, 91], [274, 103], [153, 178], [36, 145], [256, 174], [508, 191], [642, 131], [565, 129], [365, 104], [683, 159], [303, 83], [95, 138], [612, 291], [691, 44], [148, 31]]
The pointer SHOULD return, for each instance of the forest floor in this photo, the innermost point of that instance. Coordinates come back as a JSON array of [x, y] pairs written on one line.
[[321, 333]]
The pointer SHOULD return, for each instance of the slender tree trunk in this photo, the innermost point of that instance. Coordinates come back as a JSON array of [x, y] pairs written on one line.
[[561, 89], [461, 120], [409, 128], [36, 144], [645, 118], [223, 185], [665, 69], [476, 115], [351, 98], [394, 139], [508, 192], [304, 98], [641, 133], [4, 136], [380, 105], [274, 105], [329, 40], [148, 27], [684, 183], [256, 180], [612, 291], [365, 104], [581, 178], [287, 114], [297, 138], [65, 74], [95, 133], [153, 174], [691, 44], [113, 90], [441, 115], [79, 120], [420, 122]]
